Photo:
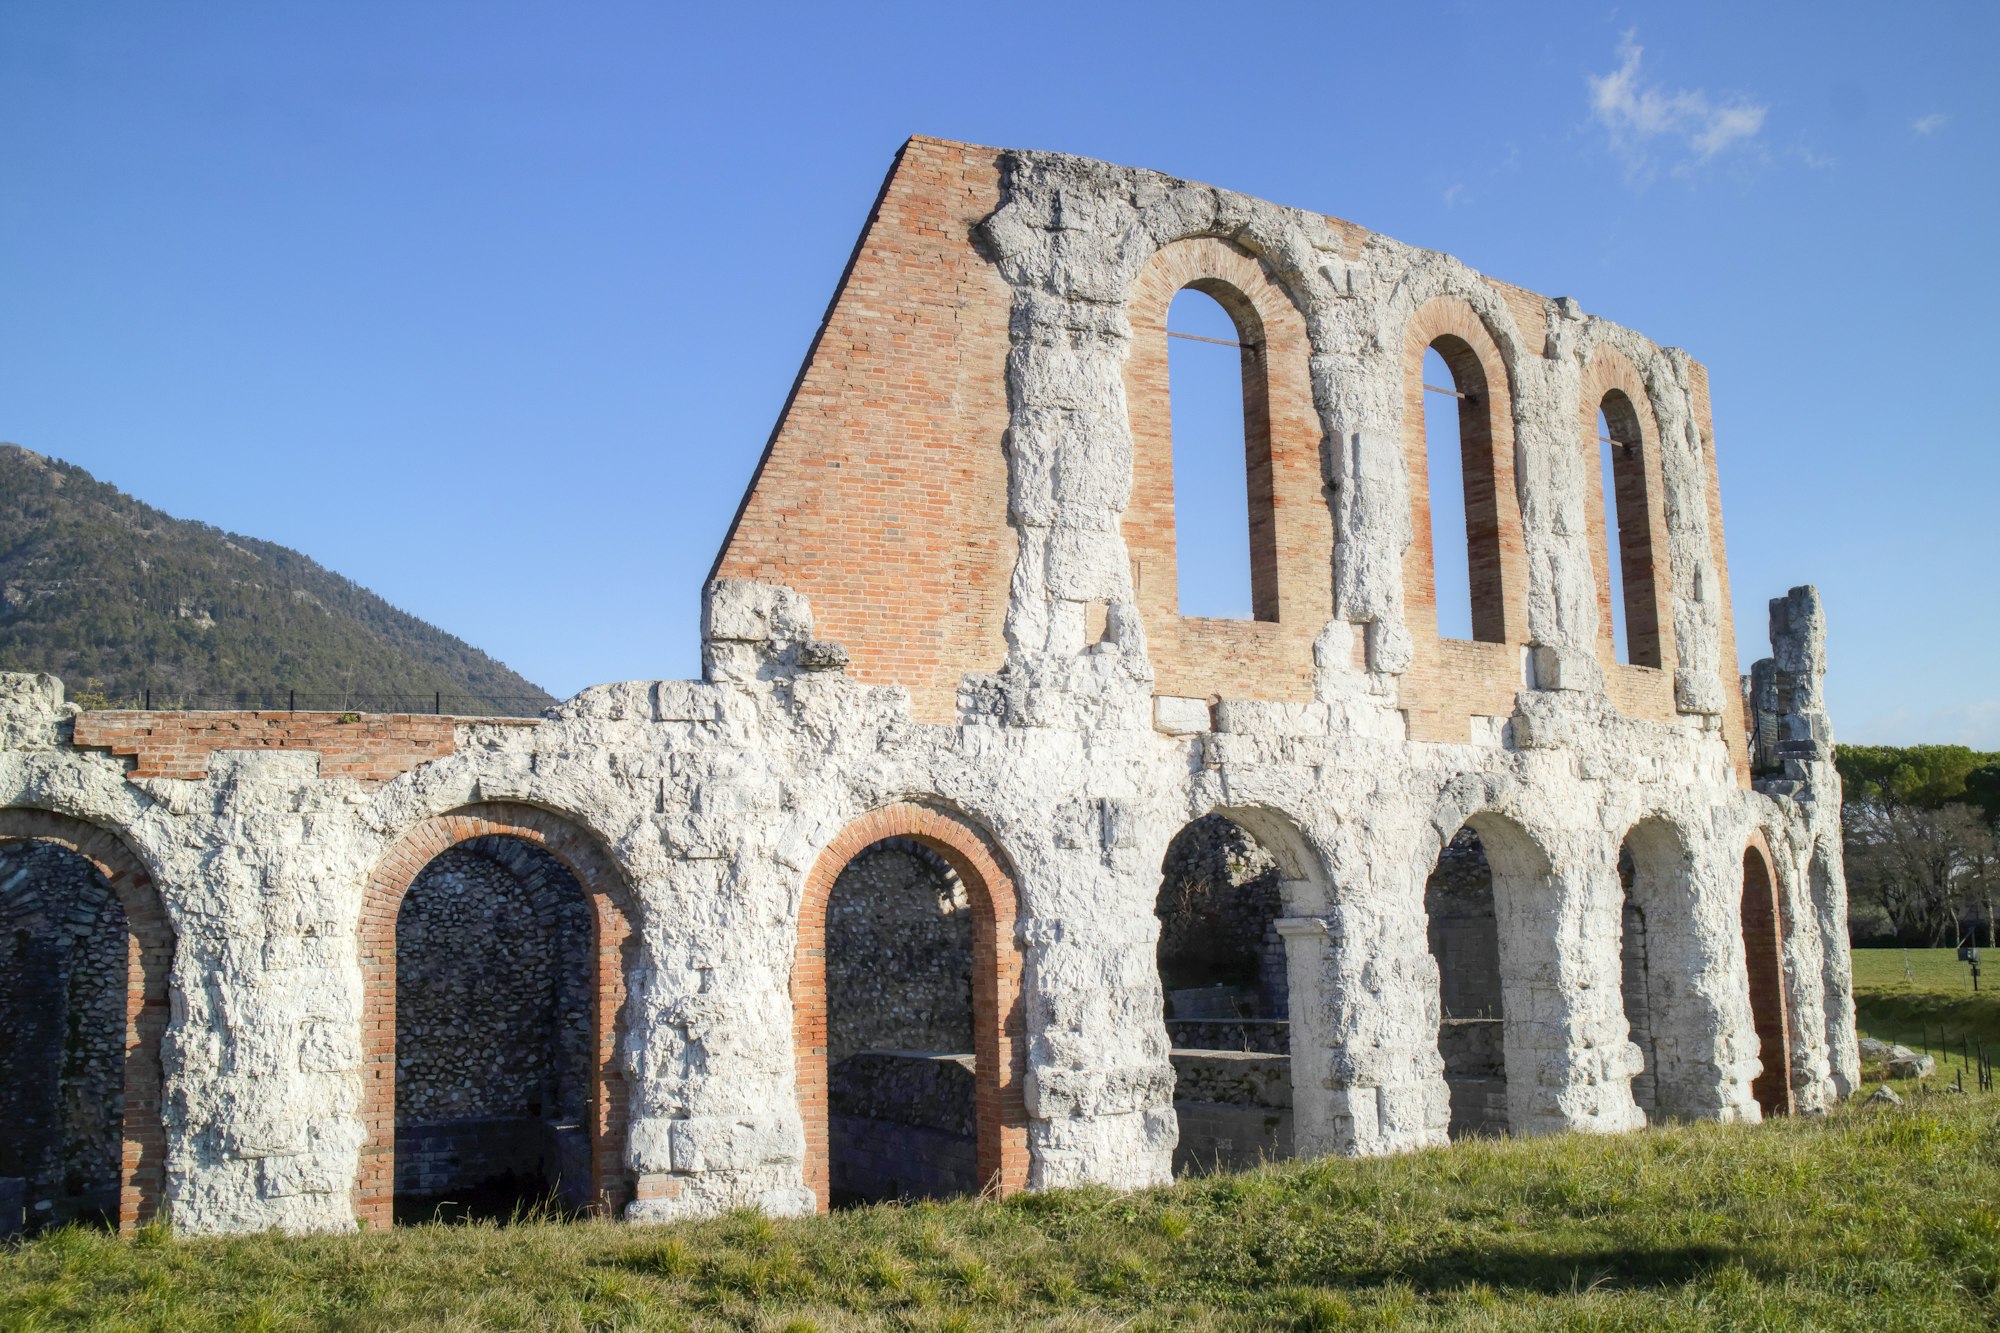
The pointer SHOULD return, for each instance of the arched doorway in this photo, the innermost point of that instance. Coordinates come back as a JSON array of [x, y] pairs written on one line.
[[1763, 952], [1464, 935], [905, 946], [85, 954], [1226, 997], [493, 944], [1670, 1022]]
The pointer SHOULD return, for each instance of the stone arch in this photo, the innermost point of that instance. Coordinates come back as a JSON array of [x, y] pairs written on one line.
[[149, 966], [1487, 916], [1308, 888], [1667, 1019], [999, 1048], [1484, 376], [613, 920], [1277, 1099], [1613, 385], [1271, 655], [1764, 925]]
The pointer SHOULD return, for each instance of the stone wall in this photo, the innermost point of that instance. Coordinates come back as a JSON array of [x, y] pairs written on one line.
[[1234, 1110], [1464, 929], [492, 1014], [899, 1027], [960, 490], [903, 1127], [62, 1033], [899, 954]]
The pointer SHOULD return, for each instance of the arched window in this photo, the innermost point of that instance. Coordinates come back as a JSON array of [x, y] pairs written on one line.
[[1225, 534], [1628, 543], [1464, 503]]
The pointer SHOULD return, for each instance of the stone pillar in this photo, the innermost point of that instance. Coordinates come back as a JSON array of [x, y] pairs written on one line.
[[1387, 1089], [1100, 1088], [1569, 1060], [1309, 950]]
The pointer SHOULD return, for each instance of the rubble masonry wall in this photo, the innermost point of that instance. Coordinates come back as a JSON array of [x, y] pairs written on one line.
[[1028, 715]]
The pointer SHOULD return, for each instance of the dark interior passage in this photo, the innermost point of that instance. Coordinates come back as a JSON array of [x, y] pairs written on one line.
[[63, 950], [493, 1034], [899, 1030], [1227, 998], [1465, 941]]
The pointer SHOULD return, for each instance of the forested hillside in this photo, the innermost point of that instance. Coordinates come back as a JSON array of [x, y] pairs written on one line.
[[119, 599]]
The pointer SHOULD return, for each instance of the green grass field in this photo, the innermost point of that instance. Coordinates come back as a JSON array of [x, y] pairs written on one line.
[[1872, 1218], [1924, 999], [1921, 969]]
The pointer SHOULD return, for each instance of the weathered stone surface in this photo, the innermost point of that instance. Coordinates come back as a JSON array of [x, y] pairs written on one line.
[[1906, 1063], [715, 799]]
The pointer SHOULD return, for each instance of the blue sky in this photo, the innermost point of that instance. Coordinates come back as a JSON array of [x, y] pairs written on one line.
[[490, 307]]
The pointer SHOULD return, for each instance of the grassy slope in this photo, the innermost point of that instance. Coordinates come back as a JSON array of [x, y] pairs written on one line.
[[1873, 1218]]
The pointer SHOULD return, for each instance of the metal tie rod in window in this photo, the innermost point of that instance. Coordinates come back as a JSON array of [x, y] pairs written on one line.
[[1615, 444], [1439, 388], [1197, 338]]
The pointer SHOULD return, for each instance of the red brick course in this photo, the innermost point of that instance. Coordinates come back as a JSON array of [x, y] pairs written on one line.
[[999, 1045], [882, 495], [613, 918], [1291, 530], [149, 962], [370, 747]]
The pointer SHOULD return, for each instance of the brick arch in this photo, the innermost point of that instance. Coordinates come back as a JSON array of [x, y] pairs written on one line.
[[1611, 382], [1291, 525], [1486, 441], [613, 918], [1000, 1052], [148, 968], [1763, 924]]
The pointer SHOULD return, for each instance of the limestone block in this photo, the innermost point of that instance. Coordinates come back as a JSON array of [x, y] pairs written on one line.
[[1390, 648], [686, 701], [1698, 692], [721, 1143], [742, 611], [1258, 716], [1180, 717]]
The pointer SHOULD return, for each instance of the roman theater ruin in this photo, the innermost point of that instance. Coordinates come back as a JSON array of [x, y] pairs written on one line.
[[971, 863]]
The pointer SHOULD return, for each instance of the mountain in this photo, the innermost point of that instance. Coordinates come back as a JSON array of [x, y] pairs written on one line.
[[120, 599]]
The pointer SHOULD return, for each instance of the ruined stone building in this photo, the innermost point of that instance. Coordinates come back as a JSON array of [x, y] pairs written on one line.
[[971, 863]]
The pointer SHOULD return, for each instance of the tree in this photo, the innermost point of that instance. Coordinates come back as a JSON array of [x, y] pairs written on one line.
[[1920, 839]]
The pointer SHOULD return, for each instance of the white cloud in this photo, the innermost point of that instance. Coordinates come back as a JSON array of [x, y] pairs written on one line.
[[1453, 194], [1644, 120], [1930, 124]]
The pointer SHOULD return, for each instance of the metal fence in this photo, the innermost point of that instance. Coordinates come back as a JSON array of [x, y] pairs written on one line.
[[318, 701]]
